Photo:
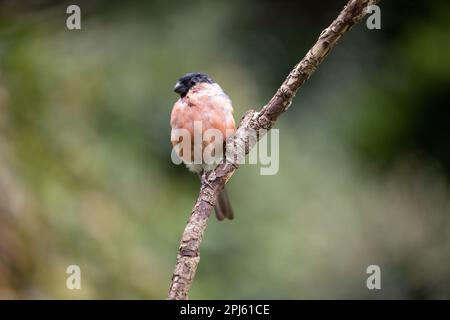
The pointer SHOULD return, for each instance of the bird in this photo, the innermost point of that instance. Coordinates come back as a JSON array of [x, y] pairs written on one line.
[[203, 106]]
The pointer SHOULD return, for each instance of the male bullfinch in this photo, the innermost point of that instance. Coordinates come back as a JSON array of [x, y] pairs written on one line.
[[202, 106]]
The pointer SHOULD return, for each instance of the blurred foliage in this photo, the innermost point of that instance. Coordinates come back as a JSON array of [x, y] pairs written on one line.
[[86, 176]]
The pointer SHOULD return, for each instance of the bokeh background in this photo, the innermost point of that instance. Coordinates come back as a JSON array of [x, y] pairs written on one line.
[[86, 176]]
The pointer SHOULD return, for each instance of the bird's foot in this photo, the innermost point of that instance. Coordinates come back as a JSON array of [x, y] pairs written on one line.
[[204, 179]]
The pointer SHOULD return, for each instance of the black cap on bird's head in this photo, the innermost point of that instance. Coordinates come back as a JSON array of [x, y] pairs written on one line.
[[189, 80]]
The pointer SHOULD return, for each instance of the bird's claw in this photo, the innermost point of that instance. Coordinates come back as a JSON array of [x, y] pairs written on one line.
[[204, 179]]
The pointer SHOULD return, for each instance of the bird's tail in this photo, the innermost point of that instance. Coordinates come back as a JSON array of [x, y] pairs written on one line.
[[223, 207]]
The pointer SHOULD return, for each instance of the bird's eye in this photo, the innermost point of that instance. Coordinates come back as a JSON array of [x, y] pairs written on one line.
[[192, 83]]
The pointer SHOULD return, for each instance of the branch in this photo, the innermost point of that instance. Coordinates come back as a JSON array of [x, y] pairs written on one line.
[[189, 253]]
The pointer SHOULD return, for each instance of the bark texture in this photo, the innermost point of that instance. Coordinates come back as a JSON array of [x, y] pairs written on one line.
[[189, 251]]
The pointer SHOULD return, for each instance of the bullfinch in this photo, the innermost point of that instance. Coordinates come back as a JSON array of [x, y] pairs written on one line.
[[202, 108]]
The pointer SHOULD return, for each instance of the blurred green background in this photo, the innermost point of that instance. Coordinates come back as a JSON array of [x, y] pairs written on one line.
[[86, 176]]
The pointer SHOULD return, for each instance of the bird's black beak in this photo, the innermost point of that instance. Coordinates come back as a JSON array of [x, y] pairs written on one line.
[[179, 88]]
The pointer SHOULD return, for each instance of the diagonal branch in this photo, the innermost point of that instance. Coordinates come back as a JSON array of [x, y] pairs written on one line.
[[189, 251]]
